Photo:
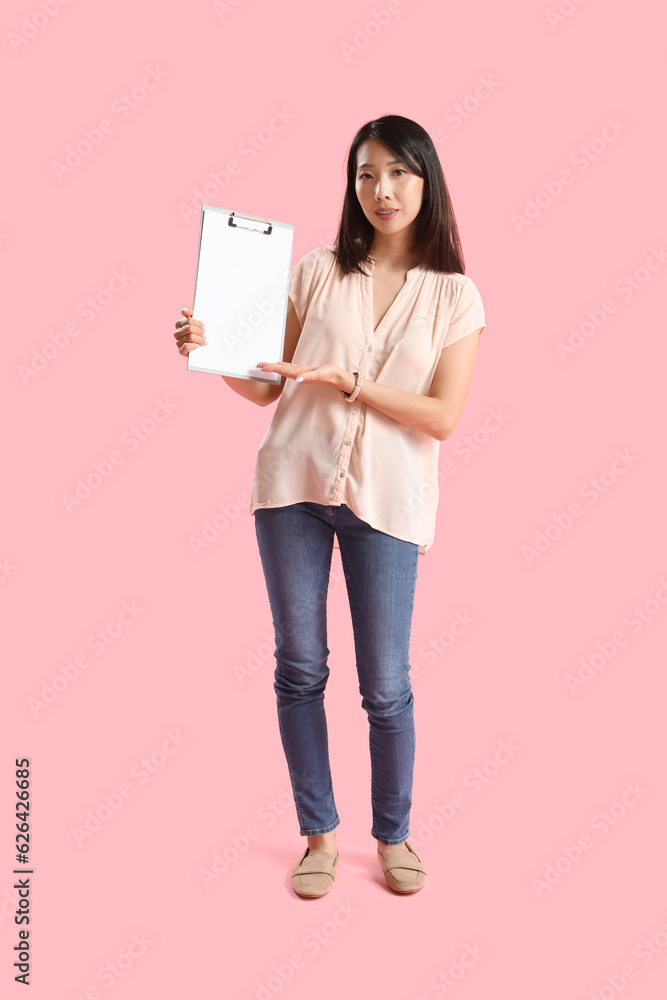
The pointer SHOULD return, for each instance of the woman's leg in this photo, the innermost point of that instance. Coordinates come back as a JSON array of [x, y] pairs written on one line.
[[381, 575], [295, 545]]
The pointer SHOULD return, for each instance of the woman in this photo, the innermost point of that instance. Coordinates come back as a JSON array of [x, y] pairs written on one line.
[[376, 367]]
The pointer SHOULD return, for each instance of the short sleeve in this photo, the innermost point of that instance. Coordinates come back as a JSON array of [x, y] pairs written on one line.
[[468, 314], [300, 285]]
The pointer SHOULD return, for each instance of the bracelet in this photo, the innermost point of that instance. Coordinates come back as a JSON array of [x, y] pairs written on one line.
[[351, 396], [347, 395]]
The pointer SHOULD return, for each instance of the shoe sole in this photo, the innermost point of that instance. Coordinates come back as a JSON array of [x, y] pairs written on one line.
[[403, 892]]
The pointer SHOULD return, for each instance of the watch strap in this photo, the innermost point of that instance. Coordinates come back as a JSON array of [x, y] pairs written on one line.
[[351, 396]]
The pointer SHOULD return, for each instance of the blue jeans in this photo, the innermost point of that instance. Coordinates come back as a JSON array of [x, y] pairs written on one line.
[[295, 545]]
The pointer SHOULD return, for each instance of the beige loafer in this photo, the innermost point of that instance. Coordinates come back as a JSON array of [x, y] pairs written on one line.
[[315, 873], [403, 871]]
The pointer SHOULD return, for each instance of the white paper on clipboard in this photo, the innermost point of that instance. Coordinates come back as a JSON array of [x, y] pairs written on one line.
[[241, 289]]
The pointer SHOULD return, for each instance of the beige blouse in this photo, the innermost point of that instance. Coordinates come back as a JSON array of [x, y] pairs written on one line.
[[321, 448]]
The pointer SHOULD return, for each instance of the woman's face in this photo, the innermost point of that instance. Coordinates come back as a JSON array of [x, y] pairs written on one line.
[[383, 182]]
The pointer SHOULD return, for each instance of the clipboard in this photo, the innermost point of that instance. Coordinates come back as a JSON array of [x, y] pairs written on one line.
[[241, 289]]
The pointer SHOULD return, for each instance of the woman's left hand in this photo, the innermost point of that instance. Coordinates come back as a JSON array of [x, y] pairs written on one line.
[[318, 374]]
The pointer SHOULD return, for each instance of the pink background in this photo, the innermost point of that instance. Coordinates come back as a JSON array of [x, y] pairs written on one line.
[[527, 879]]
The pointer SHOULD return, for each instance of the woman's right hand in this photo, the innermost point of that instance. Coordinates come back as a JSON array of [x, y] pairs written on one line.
[[189, 333]]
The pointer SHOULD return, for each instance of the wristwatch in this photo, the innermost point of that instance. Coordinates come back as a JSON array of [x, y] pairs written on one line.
[[351, 396]]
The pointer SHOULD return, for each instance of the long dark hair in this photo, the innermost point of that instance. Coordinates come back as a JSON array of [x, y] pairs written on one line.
[[437, 244]]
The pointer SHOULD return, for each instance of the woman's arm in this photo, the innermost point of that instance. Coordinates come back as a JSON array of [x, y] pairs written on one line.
[[435, 414], [261, 393]]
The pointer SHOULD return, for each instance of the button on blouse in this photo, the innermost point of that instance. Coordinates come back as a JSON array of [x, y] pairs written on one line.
[[321, 448]]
